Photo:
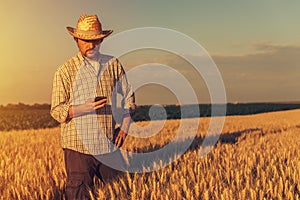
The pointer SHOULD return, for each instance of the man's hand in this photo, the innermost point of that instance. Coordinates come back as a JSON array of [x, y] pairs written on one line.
[[120, 138], [98, 104], [122, 132], [89, 106]]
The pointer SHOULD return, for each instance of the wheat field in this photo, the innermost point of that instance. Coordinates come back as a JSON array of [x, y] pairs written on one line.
[[256, 157]]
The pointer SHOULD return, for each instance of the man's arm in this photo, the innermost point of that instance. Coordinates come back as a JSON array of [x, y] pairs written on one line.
[[60, 95], [128, 103], [89, 106], [123, 132], [61, 110]]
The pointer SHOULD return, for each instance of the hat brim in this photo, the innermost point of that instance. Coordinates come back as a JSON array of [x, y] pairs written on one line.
[[86, 36]]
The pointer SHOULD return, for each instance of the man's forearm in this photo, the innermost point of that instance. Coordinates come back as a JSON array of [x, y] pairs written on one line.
[[126, 124], [89, 106], [75, 111]]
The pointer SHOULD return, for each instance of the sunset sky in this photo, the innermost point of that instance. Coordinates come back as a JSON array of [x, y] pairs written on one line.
[[255, 44]]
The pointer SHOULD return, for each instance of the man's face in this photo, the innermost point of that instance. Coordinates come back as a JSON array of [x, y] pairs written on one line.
[[89, 48]]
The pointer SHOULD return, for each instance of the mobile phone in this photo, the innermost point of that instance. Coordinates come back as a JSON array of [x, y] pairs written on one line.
[[98, 98]]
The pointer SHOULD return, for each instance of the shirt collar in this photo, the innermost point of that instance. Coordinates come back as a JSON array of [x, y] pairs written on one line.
[[80, 56]]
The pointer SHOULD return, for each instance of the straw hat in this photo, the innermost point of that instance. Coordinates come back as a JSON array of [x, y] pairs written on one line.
[[89, 28]]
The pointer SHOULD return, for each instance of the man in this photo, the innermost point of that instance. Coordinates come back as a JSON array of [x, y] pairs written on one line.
[[83, 101]]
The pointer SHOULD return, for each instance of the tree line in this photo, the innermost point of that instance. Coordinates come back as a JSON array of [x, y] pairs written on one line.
[[22, 116]]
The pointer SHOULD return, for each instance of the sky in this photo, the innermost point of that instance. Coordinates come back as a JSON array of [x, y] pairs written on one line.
[[255, 45]]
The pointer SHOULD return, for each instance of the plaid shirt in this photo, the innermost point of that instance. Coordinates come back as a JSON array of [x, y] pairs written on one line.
[[74, 83]]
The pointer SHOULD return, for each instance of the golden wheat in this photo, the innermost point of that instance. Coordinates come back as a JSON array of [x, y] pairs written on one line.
[[257, 157]]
